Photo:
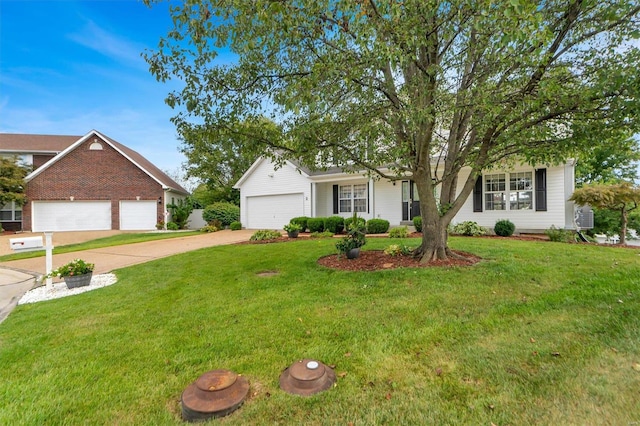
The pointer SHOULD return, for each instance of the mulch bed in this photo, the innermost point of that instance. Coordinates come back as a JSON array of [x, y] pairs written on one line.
[[373, 260]]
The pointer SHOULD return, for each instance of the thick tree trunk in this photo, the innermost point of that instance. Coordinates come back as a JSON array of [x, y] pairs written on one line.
[[434, 227]]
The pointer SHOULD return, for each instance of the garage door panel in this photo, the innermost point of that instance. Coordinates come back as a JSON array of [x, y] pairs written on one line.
[[273, 211], [138, 215], [71, 216]]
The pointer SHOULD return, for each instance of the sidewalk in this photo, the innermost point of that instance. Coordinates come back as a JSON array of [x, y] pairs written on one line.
[[18, 276]]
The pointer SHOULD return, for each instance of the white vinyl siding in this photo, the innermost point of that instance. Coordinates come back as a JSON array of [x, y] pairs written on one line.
[[71, 216]]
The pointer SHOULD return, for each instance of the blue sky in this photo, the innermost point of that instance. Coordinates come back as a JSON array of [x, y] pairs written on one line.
[[70, 66]]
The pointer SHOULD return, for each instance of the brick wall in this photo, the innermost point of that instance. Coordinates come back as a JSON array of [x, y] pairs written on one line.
[[87, 174]]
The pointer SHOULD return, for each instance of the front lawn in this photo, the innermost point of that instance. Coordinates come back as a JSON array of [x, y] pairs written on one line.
[[536, 333]]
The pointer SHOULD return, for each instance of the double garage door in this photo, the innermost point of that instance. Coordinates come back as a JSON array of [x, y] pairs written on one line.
[[91, 215], [273, 211]]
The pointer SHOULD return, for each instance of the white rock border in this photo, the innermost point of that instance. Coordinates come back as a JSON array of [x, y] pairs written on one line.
[[58, 290]]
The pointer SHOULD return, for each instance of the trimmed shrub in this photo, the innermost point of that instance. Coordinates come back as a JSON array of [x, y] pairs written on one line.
[[222, 211], [377, 226], [302, 221], [209, 228], [417, 223], [334, 224], [348, 221], [504, 228], [315, 224], [399, 232], [265, 234], [235, 226], [172, 226], [468, 228]]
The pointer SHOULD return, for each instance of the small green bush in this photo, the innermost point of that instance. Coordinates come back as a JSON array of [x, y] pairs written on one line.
[[235, 226], [209, 228], [361, 221], [468, 228], [397, 250], [172, 226], [504, 228], [222, 211], [334, 224], [559, 235], [417, 223], [324, 234], [302, 221], [399, 232], [265, 234], [377, 226], [315, 224]]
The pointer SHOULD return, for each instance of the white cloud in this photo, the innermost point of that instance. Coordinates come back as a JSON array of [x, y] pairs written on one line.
[[94, 37]]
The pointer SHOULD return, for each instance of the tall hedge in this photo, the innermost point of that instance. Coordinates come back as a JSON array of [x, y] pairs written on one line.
[[222, 211]]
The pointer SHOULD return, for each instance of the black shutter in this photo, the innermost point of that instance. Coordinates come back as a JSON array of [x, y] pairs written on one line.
[[335, 199], [541, 190], [477, 195], [368, 210]]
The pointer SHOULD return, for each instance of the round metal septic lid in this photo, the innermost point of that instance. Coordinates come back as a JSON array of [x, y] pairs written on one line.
[[198, 404], [216, 380], [301, 370], [307, 377]]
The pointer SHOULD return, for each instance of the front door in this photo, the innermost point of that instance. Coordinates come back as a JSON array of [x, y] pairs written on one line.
[[410, 200]]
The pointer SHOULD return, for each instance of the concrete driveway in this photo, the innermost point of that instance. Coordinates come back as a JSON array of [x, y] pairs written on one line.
[[19, 276]]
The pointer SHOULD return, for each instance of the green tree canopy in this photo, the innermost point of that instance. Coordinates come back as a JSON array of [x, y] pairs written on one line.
[[12, 182], [621, 197], [609, 162], [422, 87]]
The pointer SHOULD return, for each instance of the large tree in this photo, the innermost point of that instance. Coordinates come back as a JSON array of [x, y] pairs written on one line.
[[412, 88], [12, 183]]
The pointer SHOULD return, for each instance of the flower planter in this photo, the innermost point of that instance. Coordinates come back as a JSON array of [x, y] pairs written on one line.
[[353, 253], [292, 234], [74, 281]]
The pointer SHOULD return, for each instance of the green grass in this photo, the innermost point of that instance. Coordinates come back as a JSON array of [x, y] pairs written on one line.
[[537, 333], [114, 240]]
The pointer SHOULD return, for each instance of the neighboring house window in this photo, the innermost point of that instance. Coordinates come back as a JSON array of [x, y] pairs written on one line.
[[11, 212], [520, 191], [352, 198], [494, 192]]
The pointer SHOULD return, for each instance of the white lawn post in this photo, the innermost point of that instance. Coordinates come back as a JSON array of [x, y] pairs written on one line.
[[48, 246]]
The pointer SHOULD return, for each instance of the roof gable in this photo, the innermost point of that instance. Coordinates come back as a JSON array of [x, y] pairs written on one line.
[[135, 158]]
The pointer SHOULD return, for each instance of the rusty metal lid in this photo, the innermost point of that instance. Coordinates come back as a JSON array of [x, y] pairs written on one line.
[[307, 377], [216, 393]]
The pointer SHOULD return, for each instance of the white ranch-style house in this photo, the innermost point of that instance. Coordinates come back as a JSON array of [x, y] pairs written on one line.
[[533, 198]]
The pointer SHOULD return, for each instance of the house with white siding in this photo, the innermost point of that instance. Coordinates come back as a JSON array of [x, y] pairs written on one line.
[[533, 198]]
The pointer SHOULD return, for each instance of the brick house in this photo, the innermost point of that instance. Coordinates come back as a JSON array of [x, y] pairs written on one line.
[[88, 182]]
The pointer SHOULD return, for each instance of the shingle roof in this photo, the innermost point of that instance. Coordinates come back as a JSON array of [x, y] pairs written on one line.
[[25, 143], [11, 142]]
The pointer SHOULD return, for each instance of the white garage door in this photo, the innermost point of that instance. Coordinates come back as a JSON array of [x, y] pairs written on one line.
[[138, 215], [71, 216], [273, 211]]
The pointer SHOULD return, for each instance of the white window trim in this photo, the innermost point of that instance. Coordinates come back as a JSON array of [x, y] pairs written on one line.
[[352, 198], [508, 191]]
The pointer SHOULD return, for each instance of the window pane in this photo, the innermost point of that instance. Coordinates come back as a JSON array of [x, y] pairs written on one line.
[[495, 201], [5, 215], [18, 215], [360, 205], [522, 181], [521, 200], [345, 191], [345, 206], [360, 191]]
